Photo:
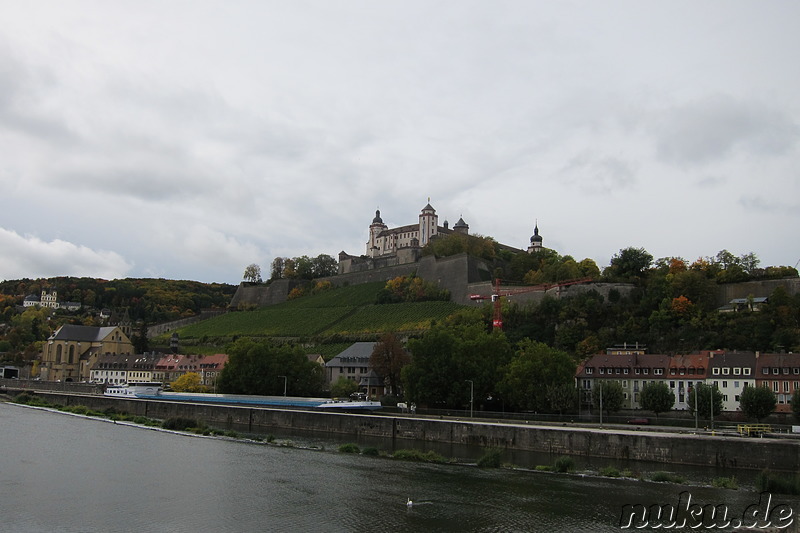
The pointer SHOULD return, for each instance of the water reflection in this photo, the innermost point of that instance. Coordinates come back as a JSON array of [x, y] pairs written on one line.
[[61, 473]]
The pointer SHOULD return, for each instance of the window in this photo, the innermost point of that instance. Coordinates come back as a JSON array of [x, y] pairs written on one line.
[[765, 370], [746, 371], [715, 371], [602, 370], [775, 371], [737, 371], [726, 371], [624, 370], [637, 371], [589, 371], [775, 386], [671, 384], [624, 383], [646, 371], [786, 370], [616, 370], [785, 387], [625, 395], [735, 384], [658, 371], [796, 371]]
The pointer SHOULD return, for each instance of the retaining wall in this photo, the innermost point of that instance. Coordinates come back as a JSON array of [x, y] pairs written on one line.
[[700, 450]]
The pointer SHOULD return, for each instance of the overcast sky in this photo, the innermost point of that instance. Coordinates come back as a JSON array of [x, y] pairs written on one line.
[[188, 139]]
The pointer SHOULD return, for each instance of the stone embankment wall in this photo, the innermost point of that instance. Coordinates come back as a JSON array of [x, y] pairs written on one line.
[[661, 447]]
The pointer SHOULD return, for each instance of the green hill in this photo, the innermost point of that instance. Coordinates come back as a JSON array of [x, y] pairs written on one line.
[[347, 313]]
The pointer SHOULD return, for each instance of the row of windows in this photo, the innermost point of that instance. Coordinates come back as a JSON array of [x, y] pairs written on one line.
[[778, 370], [625, 371], [727, 370]]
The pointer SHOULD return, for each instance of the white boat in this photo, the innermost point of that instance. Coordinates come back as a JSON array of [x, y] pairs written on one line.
[[134, 390]]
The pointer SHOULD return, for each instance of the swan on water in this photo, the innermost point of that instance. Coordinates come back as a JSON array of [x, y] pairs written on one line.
[[409, 503]]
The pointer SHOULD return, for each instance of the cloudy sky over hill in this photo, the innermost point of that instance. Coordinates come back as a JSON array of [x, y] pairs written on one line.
[[188, 139]]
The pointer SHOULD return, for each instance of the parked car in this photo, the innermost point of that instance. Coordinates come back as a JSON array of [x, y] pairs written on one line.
[[639, 421]]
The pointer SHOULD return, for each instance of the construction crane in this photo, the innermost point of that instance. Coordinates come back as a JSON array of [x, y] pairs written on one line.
[[497, 318]]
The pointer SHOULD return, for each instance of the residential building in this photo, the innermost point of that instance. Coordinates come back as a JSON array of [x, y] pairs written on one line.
[[781, 373], [684, 373], [210, 368], [731, 373], [631, 371], [352, 363], [170, 367], [71, 352]]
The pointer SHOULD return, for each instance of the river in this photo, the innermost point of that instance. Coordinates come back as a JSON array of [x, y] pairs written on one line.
[[61, 473]]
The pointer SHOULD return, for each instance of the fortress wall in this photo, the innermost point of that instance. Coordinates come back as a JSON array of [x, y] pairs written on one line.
[[728, 292]]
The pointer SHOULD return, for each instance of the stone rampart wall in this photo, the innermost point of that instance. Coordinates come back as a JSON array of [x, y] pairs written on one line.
[[668, 448]]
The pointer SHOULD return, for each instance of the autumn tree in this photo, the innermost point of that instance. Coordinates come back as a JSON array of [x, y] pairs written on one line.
[[388, 359], [252, 273], [189, 382]]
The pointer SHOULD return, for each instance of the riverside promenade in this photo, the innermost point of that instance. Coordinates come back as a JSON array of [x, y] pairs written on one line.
[[611, 442]]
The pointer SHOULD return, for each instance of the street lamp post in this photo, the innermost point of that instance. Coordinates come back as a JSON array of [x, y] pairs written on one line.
[[471, 395], [285, 380]]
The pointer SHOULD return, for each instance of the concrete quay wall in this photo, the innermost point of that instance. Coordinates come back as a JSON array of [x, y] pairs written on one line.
[[623, 444]]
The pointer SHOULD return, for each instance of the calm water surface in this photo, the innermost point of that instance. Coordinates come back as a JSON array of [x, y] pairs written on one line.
[[69, 474]]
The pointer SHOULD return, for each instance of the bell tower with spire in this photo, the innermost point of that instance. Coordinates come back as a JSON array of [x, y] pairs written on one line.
[[536, 240]]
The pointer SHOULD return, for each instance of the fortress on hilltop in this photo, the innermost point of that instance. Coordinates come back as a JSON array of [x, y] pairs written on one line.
[[403, 244], [393, 252]]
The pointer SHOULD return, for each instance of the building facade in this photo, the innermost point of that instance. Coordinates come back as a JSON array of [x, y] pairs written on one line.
[[72, 351]]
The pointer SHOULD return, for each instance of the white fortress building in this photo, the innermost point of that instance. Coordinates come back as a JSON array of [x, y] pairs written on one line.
[[395, 246]]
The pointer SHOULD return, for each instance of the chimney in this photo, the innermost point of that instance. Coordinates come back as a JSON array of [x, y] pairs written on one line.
[[757, 354]]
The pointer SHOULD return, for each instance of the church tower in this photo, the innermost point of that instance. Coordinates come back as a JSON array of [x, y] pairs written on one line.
[[375, 229], [536, 240], [428, 224]]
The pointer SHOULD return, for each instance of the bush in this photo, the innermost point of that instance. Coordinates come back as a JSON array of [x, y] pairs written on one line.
[[770, 482], [416, 455], [180, 423], [371, 450], [349, 448], [725, 482], [564, 464], [490, 459], [609, 471], [544, 468], [667, 477]]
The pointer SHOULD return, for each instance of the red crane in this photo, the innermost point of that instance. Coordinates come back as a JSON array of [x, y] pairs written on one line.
[[497, 318]]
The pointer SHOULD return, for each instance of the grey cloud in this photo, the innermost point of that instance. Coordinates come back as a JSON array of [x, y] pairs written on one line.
[[602, 175], [709, 129], [760, 204]]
